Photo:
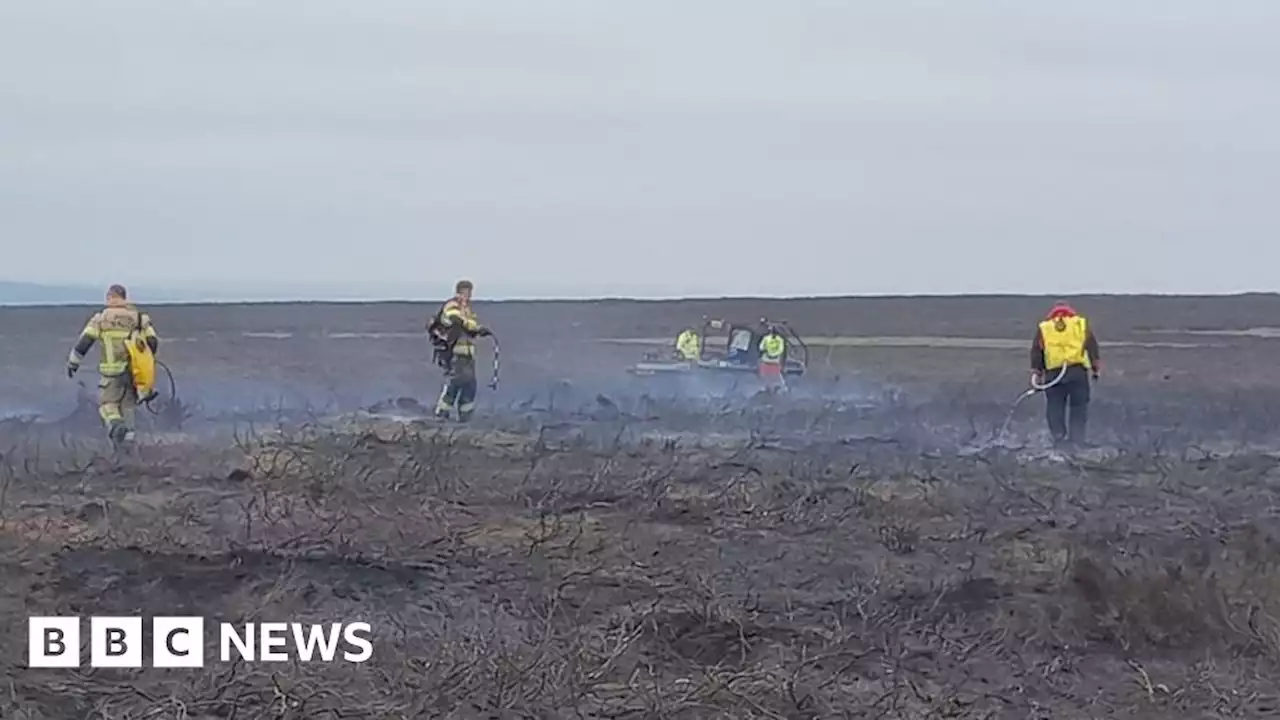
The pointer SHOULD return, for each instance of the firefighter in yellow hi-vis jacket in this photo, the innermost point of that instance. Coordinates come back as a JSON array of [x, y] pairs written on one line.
[[773, 356], [688, 345], [1065, 352], [110, 327], [452, 330]]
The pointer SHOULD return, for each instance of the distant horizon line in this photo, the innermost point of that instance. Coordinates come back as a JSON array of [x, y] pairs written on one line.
[[162, 301]]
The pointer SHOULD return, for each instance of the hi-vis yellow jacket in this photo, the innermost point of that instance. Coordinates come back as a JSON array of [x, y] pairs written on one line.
[[111, 327], [688, 346], [772, 346], [1064, 339], [458, 313]]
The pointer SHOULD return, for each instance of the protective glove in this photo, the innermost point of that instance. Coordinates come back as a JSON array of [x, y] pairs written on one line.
[[1097, 370], [484, 332], [1037, 378], [71, 369]]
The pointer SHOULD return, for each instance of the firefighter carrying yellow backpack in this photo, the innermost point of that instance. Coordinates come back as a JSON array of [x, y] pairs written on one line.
[[142, 363]]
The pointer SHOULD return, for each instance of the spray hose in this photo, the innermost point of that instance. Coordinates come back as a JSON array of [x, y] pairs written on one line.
[[1034, 389], [497, 356], [173, 390], [1038, 387]]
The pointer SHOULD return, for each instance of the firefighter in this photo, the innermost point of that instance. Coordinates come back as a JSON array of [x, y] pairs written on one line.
[[689, 345], [117, 396], [1064, 338], [456, 323], [773, 352]]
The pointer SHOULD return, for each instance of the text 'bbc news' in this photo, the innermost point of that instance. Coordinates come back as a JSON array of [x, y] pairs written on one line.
[[179, 642]]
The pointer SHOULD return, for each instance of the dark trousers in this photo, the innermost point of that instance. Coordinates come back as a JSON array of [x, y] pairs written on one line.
[[459, 388], [1067, 404]]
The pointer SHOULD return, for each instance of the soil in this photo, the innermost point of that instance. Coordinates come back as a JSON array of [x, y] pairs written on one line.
[[886, 540]]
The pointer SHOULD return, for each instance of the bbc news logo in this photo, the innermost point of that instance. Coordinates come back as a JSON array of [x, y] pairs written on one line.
[[178, 642]]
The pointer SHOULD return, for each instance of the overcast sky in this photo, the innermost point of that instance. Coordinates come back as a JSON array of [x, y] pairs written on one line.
[[571, 147]]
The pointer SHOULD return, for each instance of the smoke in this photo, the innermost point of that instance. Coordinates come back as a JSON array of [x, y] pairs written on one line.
[[704, 407]]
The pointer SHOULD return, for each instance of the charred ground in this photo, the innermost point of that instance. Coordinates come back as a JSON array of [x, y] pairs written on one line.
[[593, 550]]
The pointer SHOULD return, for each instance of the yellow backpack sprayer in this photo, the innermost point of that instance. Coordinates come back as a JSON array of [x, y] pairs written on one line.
[[142, 370], [142, 364], [142, 367]]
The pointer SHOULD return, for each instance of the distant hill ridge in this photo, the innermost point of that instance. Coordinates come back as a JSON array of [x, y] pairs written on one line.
[[21, 293], [25, 293]]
